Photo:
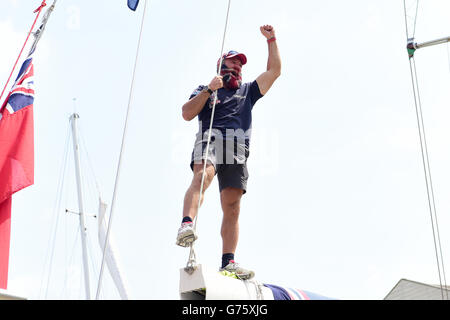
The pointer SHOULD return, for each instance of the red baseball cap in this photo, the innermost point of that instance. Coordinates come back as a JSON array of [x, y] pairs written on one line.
[[231, 54]]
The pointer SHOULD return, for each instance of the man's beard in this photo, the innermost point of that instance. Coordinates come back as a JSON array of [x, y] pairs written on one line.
[[232, 79]]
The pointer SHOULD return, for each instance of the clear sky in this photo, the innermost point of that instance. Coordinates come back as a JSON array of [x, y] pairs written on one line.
[[336, 200]]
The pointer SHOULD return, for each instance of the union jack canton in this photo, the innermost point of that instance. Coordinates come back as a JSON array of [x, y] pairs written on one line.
[[22, 92]]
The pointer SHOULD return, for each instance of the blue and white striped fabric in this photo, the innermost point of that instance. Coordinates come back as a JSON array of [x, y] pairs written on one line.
[[285, 293]]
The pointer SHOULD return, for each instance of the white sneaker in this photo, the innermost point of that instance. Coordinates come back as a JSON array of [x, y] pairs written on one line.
[[240, 272], [186, 234]]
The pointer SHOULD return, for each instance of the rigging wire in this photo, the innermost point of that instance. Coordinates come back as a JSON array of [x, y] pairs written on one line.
[[93, 187], [87, 185], [408, 16], [91, 184], [191, 260], [426, 161], [69, 262], [415, 19], [57, 209], [121, 154], [448, 56], [49, 261], [91, 167], [428, 177], [56, 206]]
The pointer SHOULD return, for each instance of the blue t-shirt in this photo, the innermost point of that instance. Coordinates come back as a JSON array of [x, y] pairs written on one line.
[[233, 109]]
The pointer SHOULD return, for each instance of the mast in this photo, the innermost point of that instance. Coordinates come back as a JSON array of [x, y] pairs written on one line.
[[73, 119]]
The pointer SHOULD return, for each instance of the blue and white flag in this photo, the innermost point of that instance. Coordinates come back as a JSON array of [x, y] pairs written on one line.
[[132, 4]]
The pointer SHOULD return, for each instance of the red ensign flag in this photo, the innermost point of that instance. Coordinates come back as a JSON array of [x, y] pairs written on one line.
[[16, 154]]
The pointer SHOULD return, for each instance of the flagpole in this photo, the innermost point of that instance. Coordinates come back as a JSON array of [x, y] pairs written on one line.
[[76, 148], [38, 11]]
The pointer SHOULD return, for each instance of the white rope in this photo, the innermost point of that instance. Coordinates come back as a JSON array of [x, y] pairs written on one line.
[[56, 207], [191, 260], [428, 177], [426, 165], [408, 36], [120, 156]]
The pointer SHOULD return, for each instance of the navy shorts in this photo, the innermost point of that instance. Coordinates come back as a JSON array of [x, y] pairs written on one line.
[[230, 163]]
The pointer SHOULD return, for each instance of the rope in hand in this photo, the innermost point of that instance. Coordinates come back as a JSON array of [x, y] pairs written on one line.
[[192, 260]]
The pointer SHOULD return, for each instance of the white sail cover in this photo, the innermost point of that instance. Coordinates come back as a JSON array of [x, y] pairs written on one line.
[[110, 259]]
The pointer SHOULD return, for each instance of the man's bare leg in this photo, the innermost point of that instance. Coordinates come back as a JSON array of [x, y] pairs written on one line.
[[186, 234], [230, 199], [192, 195]]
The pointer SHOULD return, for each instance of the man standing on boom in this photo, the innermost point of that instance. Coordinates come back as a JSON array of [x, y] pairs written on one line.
[[231, 133]]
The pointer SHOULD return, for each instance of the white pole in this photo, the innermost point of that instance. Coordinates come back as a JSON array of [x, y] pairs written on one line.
[[413, 45], [73, 119], [432, 42], [122, 148]]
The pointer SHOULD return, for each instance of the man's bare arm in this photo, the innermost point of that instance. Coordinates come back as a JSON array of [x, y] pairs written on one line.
[[193, 107], [267, 78]]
